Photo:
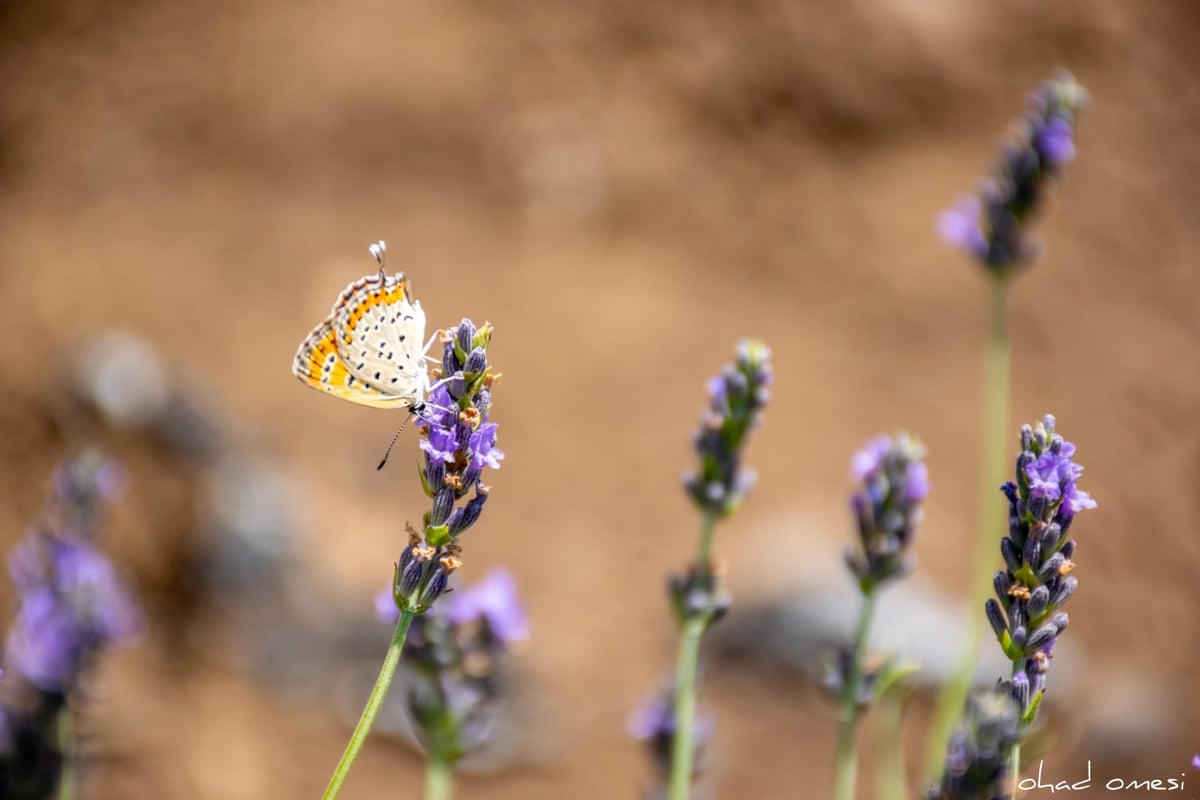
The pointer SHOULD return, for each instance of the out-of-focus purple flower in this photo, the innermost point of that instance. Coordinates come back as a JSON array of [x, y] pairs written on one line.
[[736, 399], [78, 607], [1036, 583], [456, 653], [1196, 761], [977, 757], [959, 227], [653, 724], [494, 599], [385, 606], [887, 508], [993, 227], [70, 606]]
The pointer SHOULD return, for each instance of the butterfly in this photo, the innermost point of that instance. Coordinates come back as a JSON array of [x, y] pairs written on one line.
[[369, 350]]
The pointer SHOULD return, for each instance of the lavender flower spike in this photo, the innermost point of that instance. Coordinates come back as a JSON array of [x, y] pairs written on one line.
[[736, 399], [1036, 583], [993, 227], [653, 724], [71, 606], [456, 654], [459, 446], [977, 758], [887, 508]]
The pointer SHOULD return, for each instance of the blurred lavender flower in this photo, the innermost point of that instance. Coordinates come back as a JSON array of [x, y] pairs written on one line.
[[887, 509], [459, 443], [736, 399], [456, 655], [993, 228], [70, 606], [653, 724], [977, 758], [1036, 583]]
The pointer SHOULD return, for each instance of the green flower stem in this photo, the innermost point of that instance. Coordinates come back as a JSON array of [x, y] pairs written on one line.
[[847, 755], [992, 517], [891, 781], [685, 676], [439, 777], [1014, 758], [386, 673], [66, 742]]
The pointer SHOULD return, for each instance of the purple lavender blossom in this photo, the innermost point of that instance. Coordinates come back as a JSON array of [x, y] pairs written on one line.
[[456, 654], [71, 606], [653, 724], [977, 757], [459, 445], [993, 227], [736, 399], [495, 600], [887, 508], [1196, 761], [1036, 583]]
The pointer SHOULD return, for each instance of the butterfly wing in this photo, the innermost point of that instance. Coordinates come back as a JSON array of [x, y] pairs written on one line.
[[368, 350]]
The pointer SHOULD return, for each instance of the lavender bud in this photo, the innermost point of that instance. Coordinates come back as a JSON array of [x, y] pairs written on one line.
[[464, 336], [1038, 600], [1001, 582], [443, 504], [1060, 621], [470, 512], [411, 576], [1040, 638], [1063, 592], [1011, 558], [996, 617], [1020, 690], [476, 363]]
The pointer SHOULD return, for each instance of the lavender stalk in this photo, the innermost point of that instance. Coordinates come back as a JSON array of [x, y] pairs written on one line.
[[887, 510], [71, 607], [736, 399], [1030, 593], [455, 657], [994, 229], [459, 443]]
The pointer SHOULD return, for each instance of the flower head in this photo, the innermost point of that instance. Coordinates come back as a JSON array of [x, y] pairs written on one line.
[[653, 724], [993, 227], [887, 507], [977, 757], [456, 653], [1030, 593], [736, 399], [458, 442], [70, 607]]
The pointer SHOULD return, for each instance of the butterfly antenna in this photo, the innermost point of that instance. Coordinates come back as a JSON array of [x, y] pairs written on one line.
[[379, 250], [395, 438]]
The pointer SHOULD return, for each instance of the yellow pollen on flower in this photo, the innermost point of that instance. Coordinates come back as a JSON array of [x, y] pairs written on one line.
[[450, 563], [1067, 567], [423, 553], [469, 417], [1018, 591], [444, 336], [491, 377], [453, 481]]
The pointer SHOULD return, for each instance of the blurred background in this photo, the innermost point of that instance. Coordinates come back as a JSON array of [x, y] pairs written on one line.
[[623, 189]]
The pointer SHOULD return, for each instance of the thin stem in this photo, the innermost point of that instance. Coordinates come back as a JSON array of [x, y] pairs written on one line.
[[892, 782], [66, 742], [685, 675], [1014, 757], [386, 673], [847, 754], [439, 777], [993, 464]]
